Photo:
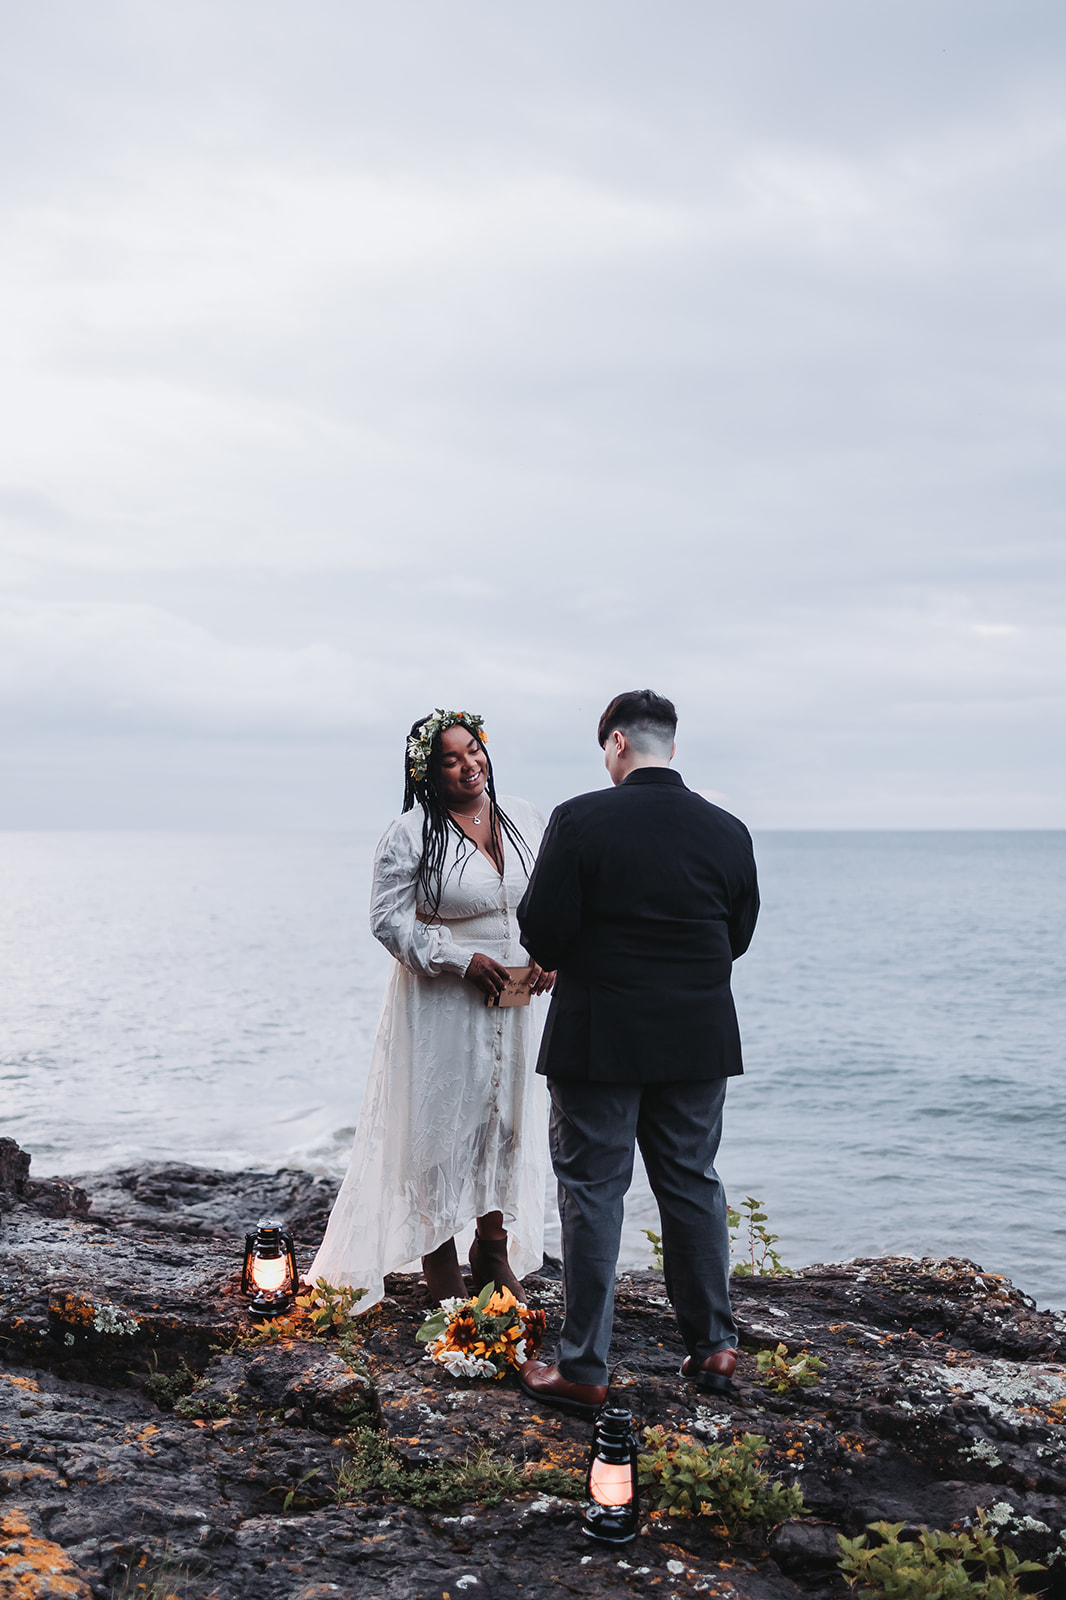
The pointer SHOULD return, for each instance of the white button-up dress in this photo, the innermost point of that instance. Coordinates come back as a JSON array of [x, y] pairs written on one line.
[[454, 1119]]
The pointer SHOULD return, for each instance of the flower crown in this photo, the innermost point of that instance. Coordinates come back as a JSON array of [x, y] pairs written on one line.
[[419, 744]]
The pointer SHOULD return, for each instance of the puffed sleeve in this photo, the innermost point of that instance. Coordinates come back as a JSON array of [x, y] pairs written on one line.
[[422, 949]]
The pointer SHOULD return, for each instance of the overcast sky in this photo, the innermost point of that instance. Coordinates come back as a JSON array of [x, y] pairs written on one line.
[[364, 358]]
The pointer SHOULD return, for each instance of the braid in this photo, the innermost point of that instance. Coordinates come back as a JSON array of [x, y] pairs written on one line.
[[438, 823]]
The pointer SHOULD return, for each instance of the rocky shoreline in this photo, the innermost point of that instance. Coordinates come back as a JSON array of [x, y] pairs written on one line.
[[148, 1448]]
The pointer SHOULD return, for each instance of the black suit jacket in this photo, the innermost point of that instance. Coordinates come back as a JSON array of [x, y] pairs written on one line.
[[641, 897]]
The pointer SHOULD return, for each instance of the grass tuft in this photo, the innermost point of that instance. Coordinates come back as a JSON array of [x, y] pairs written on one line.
[[479, 1477]]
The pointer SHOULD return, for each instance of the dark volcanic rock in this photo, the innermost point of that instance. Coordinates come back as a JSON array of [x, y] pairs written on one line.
[[53, 1197], [305, 1383], [201, 1202], [944, 1392]]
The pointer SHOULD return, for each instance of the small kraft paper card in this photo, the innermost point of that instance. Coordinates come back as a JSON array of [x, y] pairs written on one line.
[[517, 990]]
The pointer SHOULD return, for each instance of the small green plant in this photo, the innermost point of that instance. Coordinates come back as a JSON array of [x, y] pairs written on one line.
[[321, 1312], [271, 1332], [479, 1476], [722, 1481], [299, 1499], [781, 1374], [763, 1260], [166, 1388], [329, 1308], [195, 1405], [935, 1566]]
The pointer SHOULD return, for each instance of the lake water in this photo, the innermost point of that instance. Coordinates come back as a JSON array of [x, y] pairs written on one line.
[[213, 997]]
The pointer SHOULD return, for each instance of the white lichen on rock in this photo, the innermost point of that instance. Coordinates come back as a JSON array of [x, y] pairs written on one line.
[[982, 1450], [112, 1319], [1007, 1520]]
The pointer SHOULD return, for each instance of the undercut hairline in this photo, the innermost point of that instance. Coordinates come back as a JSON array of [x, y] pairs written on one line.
[[647, 738]]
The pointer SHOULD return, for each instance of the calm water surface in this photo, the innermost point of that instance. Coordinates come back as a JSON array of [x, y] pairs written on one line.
[[903, 1006]]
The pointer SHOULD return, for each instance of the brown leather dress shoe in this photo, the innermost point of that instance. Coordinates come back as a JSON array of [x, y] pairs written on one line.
[[714, 1375], [547, 1384]]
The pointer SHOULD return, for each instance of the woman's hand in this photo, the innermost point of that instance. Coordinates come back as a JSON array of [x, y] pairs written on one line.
[[487, 975], [540, 982]]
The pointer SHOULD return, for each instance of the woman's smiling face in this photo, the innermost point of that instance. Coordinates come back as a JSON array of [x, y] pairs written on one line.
[[464, 768]]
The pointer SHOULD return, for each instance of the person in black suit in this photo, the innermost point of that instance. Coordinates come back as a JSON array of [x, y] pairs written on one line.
[[641, 899]]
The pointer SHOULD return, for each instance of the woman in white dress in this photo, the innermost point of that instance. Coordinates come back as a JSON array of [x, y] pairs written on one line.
[[453, 1126]]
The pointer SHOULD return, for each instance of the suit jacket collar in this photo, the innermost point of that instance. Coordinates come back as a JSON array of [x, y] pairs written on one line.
[[653, 775]]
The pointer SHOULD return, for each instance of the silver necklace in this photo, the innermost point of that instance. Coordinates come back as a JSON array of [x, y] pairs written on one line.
[[476, 817]]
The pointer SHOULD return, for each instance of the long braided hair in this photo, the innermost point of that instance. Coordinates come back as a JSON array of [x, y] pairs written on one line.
[[438, 823]]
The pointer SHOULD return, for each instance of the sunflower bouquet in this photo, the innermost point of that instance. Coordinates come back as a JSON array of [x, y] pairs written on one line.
[[483, 1337]]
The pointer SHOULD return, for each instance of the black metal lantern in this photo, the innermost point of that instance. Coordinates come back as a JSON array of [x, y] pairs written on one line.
[[613, 1511], [270, 1274]]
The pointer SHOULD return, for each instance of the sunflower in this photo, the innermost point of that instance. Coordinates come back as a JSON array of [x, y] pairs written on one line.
[[463, 1333]]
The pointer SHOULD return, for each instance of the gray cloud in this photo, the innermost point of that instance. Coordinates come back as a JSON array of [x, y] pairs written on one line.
[[360, 362]]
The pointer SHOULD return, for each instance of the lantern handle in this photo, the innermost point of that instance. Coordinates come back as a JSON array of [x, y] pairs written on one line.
[[294, 1271], [249, 1246]]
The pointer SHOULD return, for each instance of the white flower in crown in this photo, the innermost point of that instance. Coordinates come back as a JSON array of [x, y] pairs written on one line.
[[419, 744]]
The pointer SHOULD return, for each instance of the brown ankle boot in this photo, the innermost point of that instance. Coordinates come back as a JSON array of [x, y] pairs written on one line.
[[441, 1272], [489, 1264]]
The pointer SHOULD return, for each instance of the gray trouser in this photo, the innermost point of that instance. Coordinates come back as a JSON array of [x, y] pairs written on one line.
[[678, 1126]]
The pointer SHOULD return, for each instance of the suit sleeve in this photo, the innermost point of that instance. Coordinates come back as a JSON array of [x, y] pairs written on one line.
[[550, 913], [745, 909]]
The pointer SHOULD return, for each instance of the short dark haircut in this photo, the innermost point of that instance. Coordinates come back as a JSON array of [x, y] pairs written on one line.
[[639, 711]]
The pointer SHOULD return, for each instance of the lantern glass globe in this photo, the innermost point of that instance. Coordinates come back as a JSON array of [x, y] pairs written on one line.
[[270, 1275]]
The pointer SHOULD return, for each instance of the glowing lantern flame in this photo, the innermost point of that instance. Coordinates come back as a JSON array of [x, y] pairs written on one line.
[[611, 1482], [270, 1275]]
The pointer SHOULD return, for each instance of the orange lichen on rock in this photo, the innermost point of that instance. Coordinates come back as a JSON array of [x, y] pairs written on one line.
[[35, 1569], [70, 1308], [22, 1383], [11, 1477]]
